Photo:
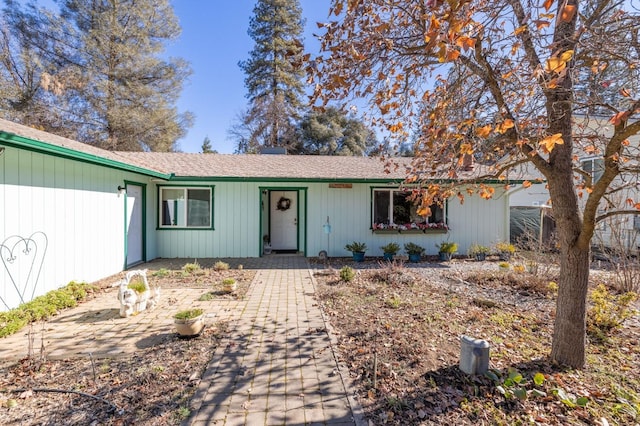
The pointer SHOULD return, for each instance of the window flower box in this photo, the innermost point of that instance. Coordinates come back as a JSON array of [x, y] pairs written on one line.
[[410, 228]]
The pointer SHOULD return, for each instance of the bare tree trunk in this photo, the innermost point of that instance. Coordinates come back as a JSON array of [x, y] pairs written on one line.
[[569, 331]]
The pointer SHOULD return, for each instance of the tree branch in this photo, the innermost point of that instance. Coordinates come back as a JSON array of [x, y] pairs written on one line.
[[615, 213]]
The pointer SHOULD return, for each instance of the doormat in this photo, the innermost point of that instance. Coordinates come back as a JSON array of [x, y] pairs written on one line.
[[285, 251]]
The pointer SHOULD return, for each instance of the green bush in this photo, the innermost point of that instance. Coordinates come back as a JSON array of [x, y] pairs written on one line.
[[188, 314], [191, 268], [608, 311], [138, 286], [447, 247], [221, 266], [228, 281], [391, 248], [413, 248], [347, 274], [161, 273], [356, 247], [43, 307]]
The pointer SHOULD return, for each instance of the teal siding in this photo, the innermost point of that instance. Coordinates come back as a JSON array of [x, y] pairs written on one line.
[[237, 227]]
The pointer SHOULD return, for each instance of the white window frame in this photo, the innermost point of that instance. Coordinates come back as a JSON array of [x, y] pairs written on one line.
[[391, 191], [184, 209], [596, 169]]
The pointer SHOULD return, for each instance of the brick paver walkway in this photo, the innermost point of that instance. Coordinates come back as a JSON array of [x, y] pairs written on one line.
[[278, 366]]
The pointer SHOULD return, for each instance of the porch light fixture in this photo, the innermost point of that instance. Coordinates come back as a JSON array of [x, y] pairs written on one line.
[[122, 190]]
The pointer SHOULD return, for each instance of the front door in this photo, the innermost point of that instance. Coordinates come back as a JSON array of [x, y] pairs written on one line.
[[284, 220], [134, 224]]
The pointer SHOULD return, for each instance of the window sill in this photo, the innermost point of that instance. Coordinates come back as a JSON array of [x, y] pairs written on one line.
[[410, 231], [184, 228]]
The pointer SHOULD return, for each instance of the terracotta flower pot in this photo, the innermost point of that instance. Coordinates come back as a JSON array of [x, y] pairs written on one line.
[[189, 327]]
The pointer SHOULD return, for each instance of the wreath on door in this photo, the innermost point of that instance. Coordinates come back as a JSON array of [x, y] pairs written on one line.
[[283, 204]]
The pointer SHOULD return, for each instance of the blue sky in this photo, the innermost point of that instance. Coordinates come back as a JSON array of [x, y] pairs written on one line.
[[214, 39]]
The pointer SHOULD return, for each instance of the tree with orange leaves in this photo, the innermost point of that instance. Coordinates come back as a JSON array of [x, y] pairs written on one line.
[[502, 81]]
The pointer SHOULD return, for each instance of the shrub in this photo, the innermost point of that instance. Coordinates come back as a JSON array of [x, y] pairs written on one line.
[[161, 273], [42, 307], [221, 266], [608, 312], [391, 248], [188, 314], [347, 274], [356, 247], [475, 249], [191, 268], [137, 286], [413, 248], [228, 281], [505, 247], [206, 297], [447, 247]]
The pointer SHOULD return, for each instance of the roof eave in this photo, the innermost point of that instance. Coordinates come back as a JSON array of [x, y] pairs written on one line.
[[16, 141], [181, 178]]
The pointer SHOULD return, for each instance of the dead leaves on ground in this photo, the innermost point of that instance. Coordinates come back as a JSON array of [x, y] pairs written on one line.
[[404, 355]]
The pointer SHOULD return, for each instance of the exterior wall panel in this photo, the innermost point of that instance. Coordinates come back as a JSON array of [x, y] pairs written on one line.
[[73, 214], [236, 230]]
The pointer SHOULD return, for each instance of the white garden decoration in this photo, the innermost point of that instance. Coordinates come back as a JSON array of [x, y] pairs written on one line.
[[133, 302]]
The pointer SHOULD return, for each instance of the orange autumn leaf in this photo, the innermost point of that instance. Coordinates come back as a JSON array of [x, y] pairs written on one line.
[[505, 125], [486, 192], [483, 131], [619, 118], [540, 24], [624, 92], [558, 63], [465, 42], [526, 184], [547, 4], [567, 12], [637, 206], [520, 30], [423, 211], [551, 141], [452, 55], [466, 148]]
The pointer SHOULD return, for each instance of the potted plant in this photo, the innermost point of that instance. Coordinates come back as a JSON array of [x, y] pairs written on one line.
[[478, 251], [229, 285], [266, 247], [390, 250], [505, 250], [189, 322], [414, 251], [446, 250], [357, 249]]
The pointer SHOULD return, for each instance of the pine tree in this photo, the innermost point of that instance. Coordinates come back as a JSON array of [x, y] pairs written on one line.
[[28, 93], [332, 132], [109, 77], [206, 146], [274, 73]]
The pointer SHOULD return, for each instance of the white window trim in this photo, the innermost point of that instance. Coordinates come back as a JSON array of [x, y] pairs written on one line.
[[390, 212], [184, 212]]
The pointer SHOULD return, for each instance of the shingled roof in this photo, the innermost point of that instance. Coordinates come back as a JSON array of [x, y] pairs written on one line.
[[255, 166], [247, 166], [184, 166]]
